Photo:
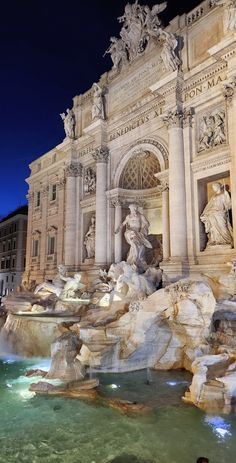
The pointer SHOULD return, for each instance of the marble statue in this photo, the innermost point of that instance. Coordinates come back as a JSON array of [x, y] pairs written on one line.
[[98, 109], [134, 285], [89, 239], [212, 130], [72, 286], [230, 17], [64, 351], [169, 57], [228, 282], [136, 234], [69, 123], [117, 51], [216, 217], [56, 286], [139, 24], [152, 21], [89, 181]]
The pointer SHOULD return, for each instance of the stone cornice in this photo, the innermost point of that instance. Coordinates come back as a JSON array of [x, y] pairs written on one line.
[[210, 162]]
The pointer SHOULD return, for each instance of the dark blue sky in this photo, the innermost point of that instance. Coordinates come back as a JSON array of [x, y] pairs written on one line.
[[50, 51]]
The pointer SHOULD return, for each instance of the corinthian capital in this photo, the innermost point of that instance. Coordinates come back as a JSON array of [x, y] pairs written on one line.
[[229, 89], [174, 119], [188, 116], [101, 154], [74, 170], [163, 186]]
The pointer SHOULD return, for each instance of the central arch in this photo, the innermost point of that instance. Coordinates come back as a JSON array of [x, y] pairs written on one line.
[[155, 150]]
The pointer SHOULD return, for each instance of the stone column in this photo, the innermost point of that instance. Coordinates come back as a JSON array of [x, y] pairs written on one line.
[[188, 152], [164, 189], [30, 198], [43, 244], [60, 216], [78, 249], [177, 195], [118, 237], [230, 96], [71, 172], [101, 156]]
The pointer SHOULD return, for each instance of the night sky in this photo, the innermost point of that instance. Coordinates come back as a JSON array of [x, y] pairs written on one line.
[[51, 50]]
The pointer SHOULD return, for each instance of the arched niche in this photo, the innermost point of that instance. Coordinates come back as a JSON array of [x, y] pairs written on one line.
[[144, 159]]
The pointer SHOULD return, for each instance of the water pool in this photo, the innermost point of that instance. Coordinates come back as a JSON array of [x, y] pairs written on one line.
[[41, 430]]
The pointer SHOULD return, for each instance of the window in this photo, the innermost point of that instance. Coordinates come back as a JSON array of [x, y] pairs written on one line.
[[12, 279], [2, 264], [51, 245], [37, 203], [13, 262], [54, 192], [9, 245], [4, 246], [15, 227], [35, 248], [14, 243], [8, 260]]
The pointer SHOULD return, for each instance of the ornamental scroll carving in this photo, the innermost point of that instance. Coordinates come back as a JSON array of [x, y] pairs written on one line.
[[174, 119], [74, 170], [229, 89], [101, 155], [211, 130]]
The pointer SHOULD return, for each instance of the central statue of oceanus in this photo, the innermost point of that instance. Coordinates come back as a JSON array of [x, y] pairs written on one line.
[[136, 236]]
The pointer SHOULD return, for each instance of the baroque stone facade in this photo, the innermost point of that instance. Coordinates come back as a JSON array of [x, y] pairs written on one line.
[[157, 130]]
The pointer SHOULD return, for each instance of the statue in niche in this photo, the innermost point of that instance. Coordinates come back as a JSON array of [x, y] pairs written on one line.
[[169, 57], [216, 217], [98, 110], [212, 130], [230, 17], [89, 239], [89, 181], [69, 123], [117, 51], [136, 236]]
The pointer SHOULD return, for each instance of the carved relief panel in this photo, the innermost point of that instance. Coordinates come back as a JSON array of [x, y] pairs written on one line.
[[211, 129]]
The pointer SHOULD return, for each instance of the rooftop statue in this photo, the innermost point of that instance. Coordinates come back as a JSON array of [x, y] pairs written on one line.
[[69, 123], [140, 24], [230, 16], [216, 217], [117, 51], [98, 109], [136, 232]]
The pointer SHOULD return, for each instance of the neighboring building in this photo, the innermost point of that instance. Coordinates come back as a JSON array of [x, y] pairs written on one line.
[[13, 230], [167, 107]]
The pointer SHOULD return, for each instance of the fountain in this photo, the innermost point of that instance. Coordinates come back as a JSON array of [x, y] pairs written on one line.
[[124, 322]]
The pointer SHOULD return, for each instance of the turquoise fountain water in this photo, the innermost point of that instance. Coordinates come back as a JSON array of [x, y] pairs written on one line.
[[41, 430]]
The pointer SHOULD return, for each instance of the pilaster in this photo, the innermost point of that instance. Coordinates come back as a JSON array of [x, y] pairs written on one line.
[[101, 156]]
